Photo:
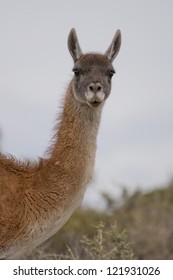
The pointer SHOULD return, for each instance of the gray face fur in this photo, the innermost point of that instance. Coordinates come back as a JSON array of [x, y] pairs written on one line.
[[92, 72]]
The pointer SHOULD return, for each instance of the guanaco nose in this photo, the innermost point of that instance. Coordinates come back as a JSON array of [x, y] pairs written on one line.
[[95, 87]]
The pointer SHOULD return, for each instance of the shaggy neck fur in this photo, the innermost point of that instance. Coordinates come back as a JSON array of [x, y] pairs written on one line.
[[75, 140]]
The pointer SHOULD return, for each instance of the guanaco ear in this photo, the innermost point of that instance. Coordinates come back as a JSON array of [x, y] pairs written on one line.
[[114, 47], [73, 45]]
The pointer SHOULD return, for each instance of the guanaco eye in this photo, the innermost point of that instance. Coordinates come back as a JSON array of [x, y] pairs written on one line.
[[76, 71], [111, 73]]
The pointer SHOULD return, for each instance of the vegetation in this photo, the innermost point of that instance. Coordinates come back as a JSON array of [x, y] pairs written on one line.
[[141, 228]]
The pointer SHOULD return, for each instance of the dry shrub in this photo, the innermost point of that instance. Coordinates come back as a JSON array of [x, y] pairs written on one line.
[[141, 227]]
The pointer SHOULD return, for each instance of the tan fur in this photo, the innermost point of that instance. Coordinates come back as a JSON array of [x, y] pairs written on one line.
[[36, 199]]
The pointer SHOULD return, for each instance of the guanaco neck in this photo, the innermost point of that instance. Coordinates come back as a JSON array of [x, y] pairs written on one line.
[[75, 141]]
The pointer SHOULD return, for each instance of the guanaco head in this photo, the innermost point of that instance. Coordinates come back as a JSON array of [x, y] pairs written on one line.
[[92, 72]]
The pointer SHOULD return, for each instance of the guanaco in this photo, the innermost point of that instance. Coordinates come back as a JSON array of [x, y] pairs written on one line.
[[36, 199]]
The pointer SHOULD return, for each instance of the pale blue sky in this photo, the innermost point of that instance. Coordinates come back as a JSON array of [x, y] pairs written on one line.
[[135, 143]]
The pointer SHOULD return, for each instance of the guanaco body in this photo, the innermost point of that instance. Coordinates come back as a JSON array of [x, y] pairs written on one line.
[[36, 199]]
